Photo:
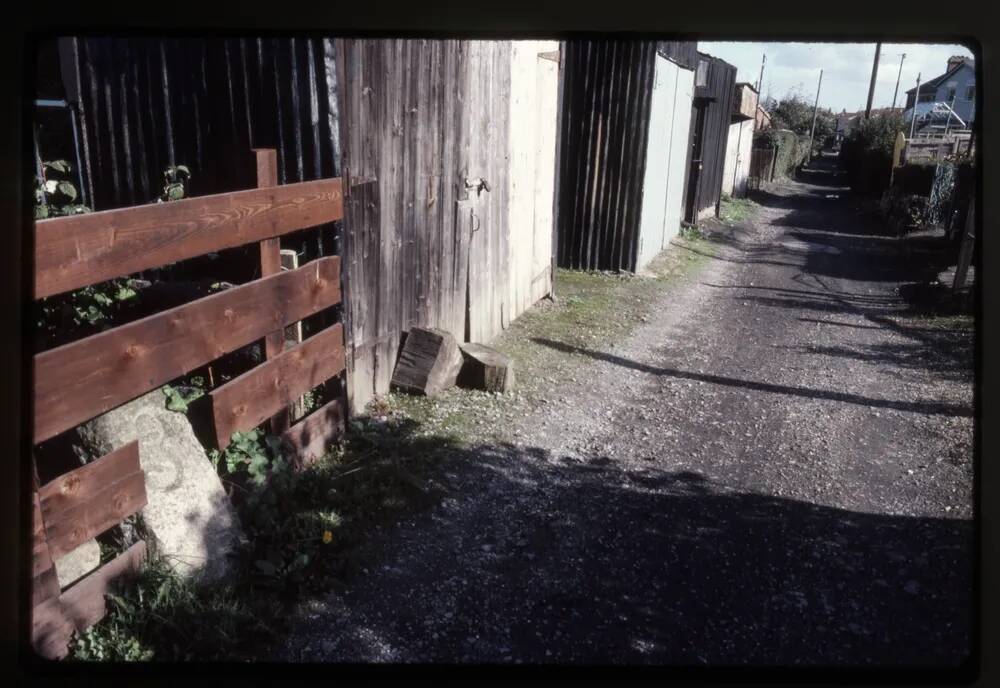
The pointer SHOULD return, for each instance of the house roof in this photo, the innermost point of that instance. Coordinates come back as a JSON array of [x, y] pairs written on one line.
[[936, 81]]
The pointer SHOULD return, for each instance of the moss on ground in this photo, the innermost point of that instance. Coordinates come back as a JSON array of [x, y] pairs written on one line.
[[733, 210]]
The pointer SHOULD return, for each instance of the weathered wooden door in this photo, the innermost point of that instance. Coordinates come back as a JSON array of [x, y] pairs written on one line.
[[483, 174], [698, 113]]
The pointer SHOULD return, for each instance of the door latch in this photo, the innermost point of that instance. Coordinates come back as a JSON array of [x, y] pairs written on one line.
[[478, 184]]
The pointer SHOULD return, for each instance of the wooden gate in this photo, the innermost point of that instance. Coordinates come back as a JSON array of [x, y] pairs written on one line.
[[81, 380]]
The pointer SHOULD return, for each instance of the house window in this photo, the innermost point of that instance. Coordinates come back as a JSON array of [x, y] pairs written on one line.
[[951, 94], [970, 92], [926, 97]]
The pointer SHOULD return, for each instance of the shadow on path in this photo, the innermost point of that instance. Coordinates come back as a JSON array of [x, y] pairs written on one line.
[[931, 407]]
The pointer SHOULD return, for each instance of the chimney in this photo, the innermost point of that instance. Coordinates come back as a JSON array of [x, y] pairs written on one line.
[[954, 61]]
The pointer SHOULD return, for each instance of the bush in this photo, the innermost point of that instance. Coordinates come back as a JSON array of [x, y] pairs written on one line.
[[792, 150], [866, 155]]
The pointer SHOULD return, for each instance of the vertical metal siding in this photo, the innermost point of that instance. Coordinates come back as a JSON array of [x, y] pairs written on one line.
[[146, 103], [602, 157]]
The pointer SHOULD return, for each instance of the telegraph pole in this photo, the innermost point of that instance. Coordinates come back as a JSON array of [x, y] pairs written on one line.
[[871, 87], [916, 101], [760, 81], [815, 112], [894, 93]]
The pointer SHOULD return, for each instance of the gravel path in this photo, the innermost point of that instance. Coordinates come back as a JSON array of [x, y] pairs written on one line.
[[775, 469]]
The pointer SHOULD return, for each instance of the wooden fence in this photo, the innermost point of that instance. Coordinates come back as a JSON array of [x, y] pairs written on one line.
[[761, 167], [78, 381]]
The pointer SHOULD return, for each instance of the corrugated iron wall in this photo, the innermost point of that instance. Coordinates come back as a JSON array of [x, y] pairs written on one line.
[[719, 91], [147, 103], [605, 118]]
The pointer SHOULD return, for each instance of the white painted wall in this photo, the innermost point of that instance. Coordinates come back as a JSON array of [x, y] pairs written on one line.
[[531, 178], [666, 155], [738, 150]]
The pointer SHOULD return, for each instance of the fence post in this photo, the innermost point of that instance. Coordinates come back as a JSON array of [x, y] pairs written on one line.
[[965, 253], [266, 165]]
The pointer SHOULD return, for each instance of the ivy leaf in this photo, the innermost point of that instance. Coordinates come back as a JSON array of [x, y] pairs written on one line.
[[57, 165], [67, 190]]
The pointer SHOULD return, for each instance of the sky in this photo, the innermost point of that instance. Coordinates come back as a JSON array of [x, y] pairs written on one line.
[[846, 69]]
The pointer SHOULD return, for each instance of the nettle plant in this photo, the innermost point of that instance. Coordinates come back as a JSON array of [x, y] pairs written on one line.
[[55, 195], [175, 181]]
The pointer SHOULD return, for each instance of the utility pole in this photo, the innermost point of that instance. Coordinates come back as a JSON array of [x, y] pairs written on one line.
[[760, 81], [812, 130], [894, 93], [916, 101], [871, 87]]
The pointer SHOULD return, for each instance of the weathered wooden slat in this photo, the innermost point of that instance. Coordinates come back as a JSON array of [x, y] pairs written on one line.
[[44, 581], [83, 603], [51, 629], [80, 380], [247, 401], [106, 508], [73, 252], [79, 486], [309, 439], [266, 168]]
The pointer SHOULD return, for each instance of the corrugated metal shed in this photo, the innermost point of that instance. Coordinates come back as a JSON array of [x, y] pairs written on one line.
[[608, 88], [605, 118]]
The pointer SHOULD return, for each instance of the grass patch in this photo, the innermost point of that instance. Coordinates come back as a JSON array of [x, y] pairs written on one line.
[[302, 535], [733, 210]]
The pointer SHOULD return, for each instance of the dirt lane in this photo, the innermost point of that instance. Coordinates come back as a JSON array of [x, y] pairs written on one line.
[[775, 469]]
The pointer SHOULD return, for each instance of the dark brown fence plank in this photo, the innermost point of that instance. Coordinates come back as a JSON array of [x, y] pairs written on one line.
[[309, 438], [106, 508], [76, 251], [44, 581], [249, 400], [83, 603], [81, 380], [266, 164], [79, 486], [51, 629]]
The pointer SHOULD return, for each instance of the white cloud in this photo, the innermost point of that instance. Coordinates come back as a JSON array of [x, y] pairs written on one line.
[[846, 68]]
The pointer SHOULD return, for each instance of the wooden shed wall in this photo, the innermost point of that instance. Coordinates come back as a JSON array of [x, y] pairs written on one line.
[[143, 104], [534, 120], [419, 119], [605, 121], [719, 92]]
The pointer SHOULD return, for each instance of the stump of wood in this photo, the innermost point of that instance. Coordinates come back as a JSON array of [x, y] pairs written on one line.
[[485, 368], [429, 362]]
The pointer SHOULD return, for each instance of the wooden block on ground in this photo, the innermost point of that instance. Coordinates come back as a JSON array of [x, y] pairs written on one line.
[[485, 368], [429, 362]]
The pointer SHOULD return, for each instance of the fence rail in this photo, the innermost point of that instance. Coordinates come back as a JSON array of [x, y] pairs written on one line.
[[80, 380]]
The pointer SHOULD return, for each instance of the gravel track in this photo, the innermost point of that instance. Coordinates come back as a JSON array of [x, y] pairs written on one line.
[[775, 469]]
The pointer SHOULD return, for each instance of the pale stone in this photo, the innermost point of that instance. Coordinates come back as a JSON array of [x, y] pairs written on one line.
[[74, 565], [188, 512]]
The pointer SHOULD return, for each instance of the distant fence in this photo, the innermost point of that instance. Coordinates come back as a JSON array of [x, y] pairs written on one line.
[[78, 381], [934, 147], [761, 167]]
